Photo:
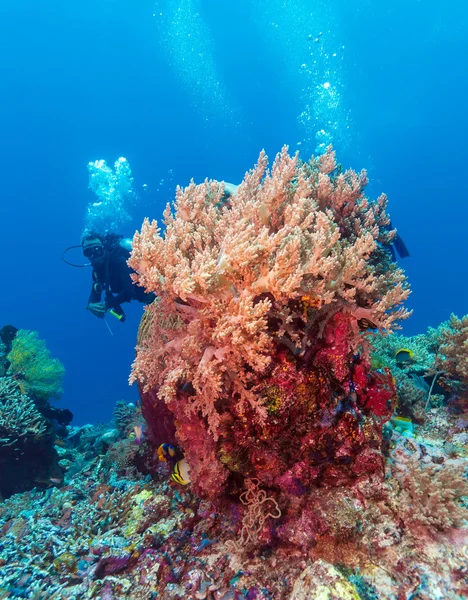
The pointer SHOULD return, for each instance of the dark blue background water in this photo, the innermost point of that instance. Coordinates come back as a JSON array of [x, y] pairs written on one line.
[[103, 79]]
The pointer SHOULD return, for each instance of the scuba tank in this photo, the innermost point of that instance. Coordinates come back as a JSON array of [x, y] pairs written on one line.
[[126, 244]]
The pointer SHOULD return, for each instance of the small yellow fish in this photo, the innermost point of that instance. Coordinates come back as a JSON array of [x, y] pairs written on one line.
[[404, 355], [181, 473]]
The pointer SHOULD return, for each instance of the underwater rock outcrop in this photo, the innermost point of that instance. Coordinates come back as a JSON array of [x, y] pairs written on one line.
[[27, 454]]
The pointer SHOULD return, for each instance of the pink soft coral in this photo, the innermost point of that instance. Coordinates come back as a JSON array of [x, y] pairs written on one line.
[[294, 246]]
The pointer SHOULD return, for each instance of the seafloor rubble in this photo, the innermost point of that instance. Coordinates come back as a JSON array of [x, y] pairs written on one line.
[[29, 379], [113, 532]]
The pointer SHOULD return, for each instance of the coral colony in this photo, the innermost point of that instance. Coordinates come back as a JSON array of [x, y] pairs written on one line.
[[289, 444]]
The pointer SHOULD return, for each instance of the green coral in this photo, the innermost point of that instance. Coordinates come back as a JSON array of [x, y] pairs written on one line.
[[41, 375], [363, 588], [410, 377], [386, 347], [435, 336]]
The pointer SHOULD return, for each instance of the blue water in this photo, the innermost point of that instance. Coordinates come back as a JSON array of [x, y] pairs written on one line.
[[196, 88]]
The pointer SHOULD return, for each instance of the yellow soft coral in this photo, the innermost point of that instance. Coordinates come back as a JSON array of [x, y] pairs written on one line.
[[41, 374]]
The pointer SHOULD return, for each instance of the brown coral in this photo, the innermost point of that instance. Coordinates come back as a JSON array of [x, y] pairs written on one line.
[[453, 358]]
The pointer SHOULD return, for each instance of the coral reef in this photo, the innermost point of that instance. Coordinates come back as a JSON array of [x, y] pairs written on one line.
[[433, 374], [19, 418], [435, 490], [27, 454], [109, 535], [413, 377], [29, 426], [256, 341], [126, 418], [452, 358], [269, 359], [322, 580]]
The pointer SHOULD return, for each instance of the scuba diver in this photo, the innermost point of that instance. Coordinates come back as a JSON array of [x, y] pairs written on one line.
[[398, 245], [108, 255]]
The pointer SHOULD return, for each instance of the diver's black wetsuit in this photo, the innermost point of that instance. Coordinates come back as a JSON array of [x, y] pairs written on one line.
[[113, 278]]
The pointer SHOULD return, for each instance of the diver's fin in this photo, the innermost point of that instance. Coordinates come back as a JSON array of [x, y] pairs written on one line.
[[401, 248]]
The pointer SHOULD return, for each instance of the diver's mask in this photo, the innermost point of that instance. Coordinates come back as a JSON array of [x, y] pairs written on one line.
[[94, 252]]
